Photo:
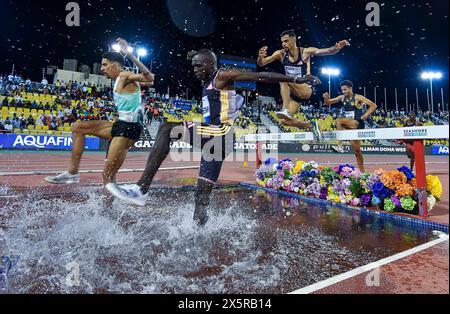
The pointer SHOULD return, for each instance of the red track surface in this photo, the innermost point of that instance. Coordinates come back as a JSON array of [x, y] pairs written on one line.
[[424, 272]]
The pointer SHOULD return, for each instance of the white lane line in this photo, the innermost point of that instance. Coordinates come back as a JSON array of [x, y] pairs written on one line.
[[360, 270], [91, 171]]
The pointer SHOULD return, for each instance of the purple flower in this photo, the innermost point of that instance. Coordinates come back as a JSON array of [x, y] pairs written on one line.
[[365, 199], [396, 200]]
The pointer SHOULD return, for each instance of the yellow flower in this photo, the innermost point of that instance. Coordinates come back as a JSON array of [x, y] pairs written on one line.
[[434, 186], [322, 180], [298, 166]]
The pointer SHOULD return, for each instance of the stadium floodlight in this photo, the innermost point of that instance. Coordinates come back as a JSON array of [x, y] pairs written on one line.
[[142, 52], [431, 76], [330, 72], [116, 47]]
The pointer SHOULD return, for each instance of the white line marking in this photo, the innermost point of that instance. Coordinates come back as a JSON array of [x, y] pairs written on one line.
[[91, 171], [360, 270]]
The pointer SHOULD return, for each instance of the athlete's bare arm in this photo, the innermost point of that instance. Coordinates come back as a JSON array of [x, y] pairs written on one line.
[[264, 60], [313, 51], [144, 76], [372, 106], [327, 101], [224, 78]]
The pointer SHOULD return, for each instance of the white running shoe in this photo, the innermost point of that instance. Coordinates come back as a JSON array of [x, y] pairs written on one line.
[[130, 194], [64, 178], [338, 148], [283, 114]]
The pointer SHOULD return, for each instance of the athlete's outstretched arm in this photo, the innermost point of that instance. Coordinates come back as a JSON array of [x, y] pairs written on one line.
[[145, 75], [327, 101], [372, 106], [225, 77], [264, 60], [313, 51]]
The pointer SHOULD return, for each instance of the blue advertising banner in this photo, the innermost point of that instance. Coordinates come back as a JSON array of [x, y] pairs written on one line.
[[440, 150], [183, 105], [16, 141]]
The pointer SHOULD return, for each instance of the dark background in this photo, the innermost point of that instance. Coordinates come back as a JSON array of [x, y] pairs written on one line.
[[413, 36]]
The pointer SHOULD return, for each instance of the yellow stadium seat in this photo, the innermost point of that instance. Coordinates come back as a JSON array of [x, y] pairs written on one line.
[[68, 129], [48, 112], [40, 111], [38, 128], [34, 111], [27, 111], [19, 110], [45, 128], [31, 127], [12, 109]]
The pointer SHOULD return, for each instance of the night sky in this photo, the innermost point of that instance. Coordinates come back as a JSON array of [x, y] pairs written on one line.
[[413, 35]]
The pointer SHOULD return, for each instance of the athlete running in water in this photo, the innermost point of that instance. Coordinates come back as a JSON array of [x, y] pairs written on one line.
[[410, 122], [221, 106], [297, 62], [122, 133]]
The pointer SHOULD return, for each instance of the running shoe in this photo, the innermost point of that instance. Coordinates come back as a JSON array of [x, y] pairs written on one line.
[[338, 148], [316, 131], [64, 178], [129, 194], [283, 114]]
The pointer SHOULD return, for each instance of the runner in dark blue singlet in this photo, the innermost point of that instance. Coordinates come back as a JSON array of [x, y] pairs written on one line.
[[353, 116], [215, 134], [297, 62]]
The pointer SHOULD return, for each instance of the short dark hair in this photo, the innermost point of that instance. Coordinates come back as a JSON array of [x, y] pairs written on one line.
[[204, 52], [289, 32], [347, 83], [114, 57]]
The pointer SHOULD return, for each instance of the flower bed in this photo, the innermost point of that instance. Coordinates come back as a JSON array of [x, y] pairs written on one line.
[[391, 191]]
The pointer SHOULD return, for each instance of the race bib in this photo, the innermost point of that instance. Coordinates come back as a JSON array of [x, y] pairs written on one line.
[[206, 108], [293, 71], [349, 114]]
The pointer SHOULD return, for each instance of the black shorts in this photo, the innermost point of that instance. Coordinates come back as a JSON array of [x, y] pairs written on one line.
[[216, 143], [362, 124], [129, 130], [296, 99]]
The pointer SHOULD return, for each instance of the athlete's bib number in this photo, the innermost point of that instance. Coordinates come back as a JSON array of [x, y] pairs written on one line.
[[349, 114], [293, 71], [206, 108]]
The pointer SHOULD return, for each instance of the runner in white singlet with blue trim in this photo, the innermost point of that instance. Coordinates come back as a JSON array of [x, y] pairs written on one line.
[[125, 131]]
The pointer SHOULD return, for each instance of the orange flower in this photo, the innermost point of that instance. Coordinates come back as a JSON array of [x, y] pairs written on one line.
[[405, 190], [393, 179]]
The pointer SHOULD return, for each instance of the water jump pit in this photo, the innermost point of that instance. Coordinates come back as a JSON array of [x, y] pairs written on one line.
[[255, 242]]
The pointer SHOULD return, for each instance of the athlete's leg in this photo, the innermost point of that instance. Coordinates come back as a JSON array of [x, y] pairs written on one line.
[[301, 91], [101, 129], [356, 145], [210, 169], [116, 156], [285, 95], [157, 156]]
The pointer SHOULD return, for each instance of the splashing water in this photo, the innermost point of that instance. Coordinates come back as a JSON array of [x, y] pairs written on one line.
[[74, 244]]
